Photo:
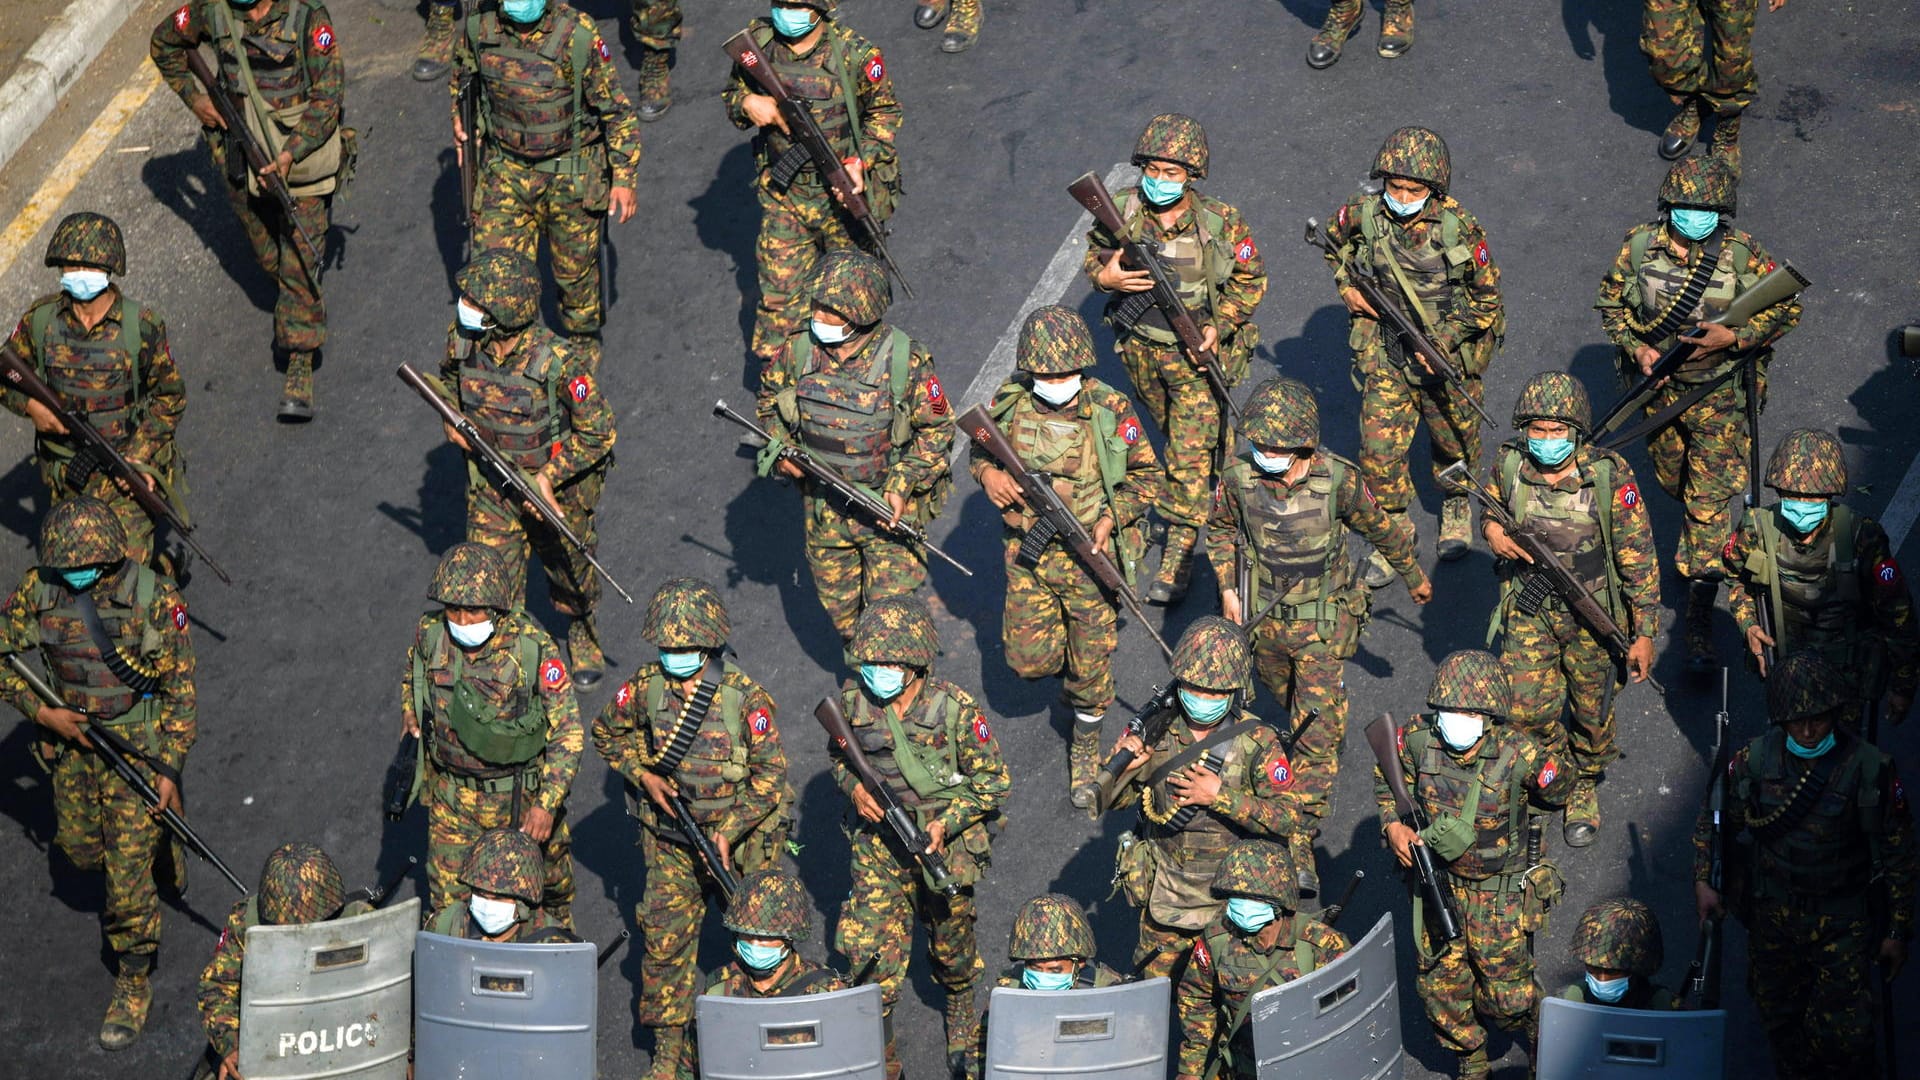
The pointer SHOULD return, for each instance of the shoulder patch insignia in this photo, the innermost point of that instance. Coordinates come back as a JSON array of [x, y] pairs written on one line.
[[623, 696], [876, 68], [182, 18], [1129, 430], [1280, 771], [1548, 774], [1343, 215], [553, 675], [1480, 253], [323, 38], [1201, 956], [1245, 250], [579, 388], [760, 721], [179, 616], [1768, 269], [1886, 573], [600, 46], [936, 395], [1899, 795], [1400, 738], [1629, 496], [981, 732], [1726, 549]]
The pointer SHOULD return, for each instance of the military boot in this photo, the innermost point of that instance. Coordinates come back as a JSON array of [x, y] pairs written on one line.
[[929, 15], [963, 1027], [1474, 1065], [1396, 28], [1699, 624], [132, 994], [1083, 764], [655, 84], [583, 652], [1301, 843], [1681, 130], [436, 48], [667, 1043], [1343, 18], [963, 29], [1583, 812], [296, 398], [1455, 537], [1726, 141], [1176, 565]]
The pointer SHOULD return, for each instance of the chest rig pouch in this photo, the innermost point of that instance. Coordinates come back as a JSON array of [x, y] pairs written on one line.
[[276, 104], [504, 735]]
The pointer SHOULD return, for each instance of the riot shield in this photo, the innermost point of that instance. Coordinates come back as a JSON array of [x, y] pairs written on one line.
[[834, 1035], [1112, 1032], [1341, 1022], [487, 1010], [329, 999], [1598, 1042]]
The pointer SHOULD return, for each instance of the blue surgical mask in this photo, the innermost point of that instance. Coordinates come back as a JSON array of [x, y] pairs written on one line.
[[1404, 209], [1460, 730], [470, 318], [1249, 915], [1814, 751], [1201, 710], [1272, 464], [1805, 515], [1162, 192], [491, 914], [828, 334], [1694, 224], [470, 635], [523, 11], [1549, 452], [1608, 990], [1046, 980], [757, 956], [81, 580], [885, 682], [1059, 393], [793, 22], [682, 665], [84, 284]]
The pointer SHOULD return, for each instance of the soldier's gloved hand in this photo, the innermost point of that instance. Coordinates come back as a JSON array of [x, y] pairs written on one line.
[[538, 824], [1758, 641], [1501, 544], [1706, 901], [65, 723], [1400, 841], [1893, 957], [230, 1067], [209, 117], [659, 789], [864, 804], [620, 205]]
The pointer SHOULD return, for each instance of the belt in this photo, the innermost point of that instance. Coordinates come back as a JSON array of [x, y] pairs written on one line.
[[494, 785]]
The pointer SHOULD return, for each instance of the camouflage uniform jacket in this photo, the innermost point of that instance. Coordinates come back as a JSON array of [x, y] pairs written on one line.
[[1350, 506], [220, 980], [1472, 308], [1226, 968], [1254, 783], [284, 32], [1131, 492], [585, 431], [1742, 264], [801, 976], [155, 405], [1235, 273], [1509, 768], [880, 113]]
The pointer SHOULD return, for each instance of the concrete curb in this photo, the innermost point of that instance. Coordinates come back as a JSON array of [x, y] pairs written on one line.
[[62, 52]]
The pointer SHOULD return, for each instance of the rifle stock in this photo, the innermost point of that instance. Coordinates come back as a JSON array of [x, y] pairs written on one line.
[[1383, 738], [257, 157], [897, 818], [1703, 974]]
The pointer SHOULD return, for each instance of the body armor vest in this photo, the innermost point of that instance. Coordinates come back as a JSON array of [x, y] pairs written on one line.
[[1061, 445], [1186, 861], [819, 79], [1443, 784], [1425, 263], [1819, 586], [1296, 535], [530, 97], [1659, 280], [1569, 521], [1830, 851], [1199, 261], [926, 775], [98, 378], [487, 724], [715, 766], [276, 53], [517, 411], [80, 673], [847, 412]]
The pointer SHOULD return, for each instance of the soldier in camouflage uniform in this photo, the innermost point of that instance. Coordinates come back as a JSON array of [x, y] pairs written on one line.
[[1700, 457], [930, 742], [1343, 18], [1259, 940], [1618, 943], [720, 752], [533, 396], [862, 397], [106, 356], [299, 884], [1196, 800], [290, 69], [1082, 432], [656, 26], [1466, 752], [1701, 54], [843, 78], [559, 146], [1422, 243], [1584, 502], [1282, 517], [1051, 948], [1829, 882], [1207, 247], [1828, 576], [502, 874], [963, 18], [141, 687], [500, 737]]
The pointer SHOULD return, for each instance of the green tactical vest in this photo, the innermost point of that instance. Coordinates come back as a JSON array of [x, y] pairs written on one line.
[[1569, 520], [715, 764], [505, 742], [1435, 276], [1654, 280], [1298, 535], [1199, 262], [932, 775], [520, 413], [271, 78], [532, 99], [1499, 847], [1833, 852], [857, 422], [98, 379], [1816, 594], [824, 80], [1109, 457], [79, 672]]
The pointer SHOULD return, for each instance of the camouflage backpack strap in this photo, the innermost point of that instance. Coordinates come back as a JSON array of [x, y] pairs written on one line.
[[1377, 238], [1212, 226], [1846, 563], [837, 57], [1605, 496], [1766, 524]]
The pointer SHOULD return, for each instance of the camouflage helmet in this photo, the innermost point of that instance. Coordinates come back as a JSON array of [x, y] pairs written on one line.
[[1258, 870], [1704, 183], [1055, 341], [897, 630], [88, 239], [471, 575], [1554, 395], [1619, 935], [1804, 685], [686, 613], [1283, 413], [505, 862], [1212, 655], [503, 283], [852, 285], [299, 884], [825, 7], [1414, 153], [1050, 927], [82, 531], [1176, 138], [1808, 461], [1471, 680], [770, 903]]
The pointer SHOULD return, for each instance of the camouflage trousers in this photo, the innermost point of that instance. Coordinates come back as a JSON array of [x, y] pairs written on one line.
[[886, 898], [1059, 621], [1701, 459], [1181, 403], [1161, 949], [1554, 662], [299, 311], [456, 816], [1391, 406], [1702, 47], [1487, 973], [671, 912], [1302, 664], [515, 204], [571, 582], [101, 824], [854, 564], [1808, 975], [656, 23], [796, 227]]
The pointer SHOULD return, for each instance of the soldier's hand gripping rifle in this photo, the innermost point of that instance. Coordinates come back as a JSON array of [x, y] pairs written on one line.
[[120, 756], [702, 845], [1054, 519], [504, 472], [1443, 920], [826, 476], [1703, 973], [257, 157], [810, 147], [898, 819], [1394, 319], [92, 451]]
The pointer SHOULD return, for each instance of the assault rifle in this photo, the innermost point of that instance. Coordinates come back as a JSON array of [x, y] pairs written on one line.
[[401, 773], [120, 756], [863, 499], [1054, 519], [1395, 320], [1703, 973], [810, 147], [1763, 597], [467, 107], [1384, 738], [378, 895], [93, 452], [894, 814], [257, 157], [504, 472], [702, 846]]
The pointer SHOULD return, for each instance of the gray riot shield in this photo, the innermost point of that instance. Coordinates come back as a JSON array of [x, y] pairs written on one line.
[[1341, 1022], [1112, 1032], [489, 1010], [329, 999], [1598, 1042], [835, 1035]]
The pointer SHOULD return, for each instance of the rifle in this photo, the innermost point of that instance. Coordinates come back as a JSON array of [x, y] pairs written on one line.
[[1763, 597], [702, 846], [1332, 912], [1383, 737], [257, 157], [810, 147], [853, 494], [401, 773], [1703, 973], [378, 895], [898, 819], [1394, 319], [509, 477], [1053, 518], [612, 947], [467, 107], [120, 756], [93, 452]]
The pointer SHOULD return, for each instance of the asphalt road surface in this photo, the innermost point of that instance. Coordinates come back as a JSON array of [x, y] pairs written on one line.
[[332, 530]]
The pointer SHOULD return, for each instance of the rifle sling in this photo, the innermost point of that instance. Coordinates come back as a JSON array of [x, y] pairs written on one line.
[[1690, 293], [131, 677]]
